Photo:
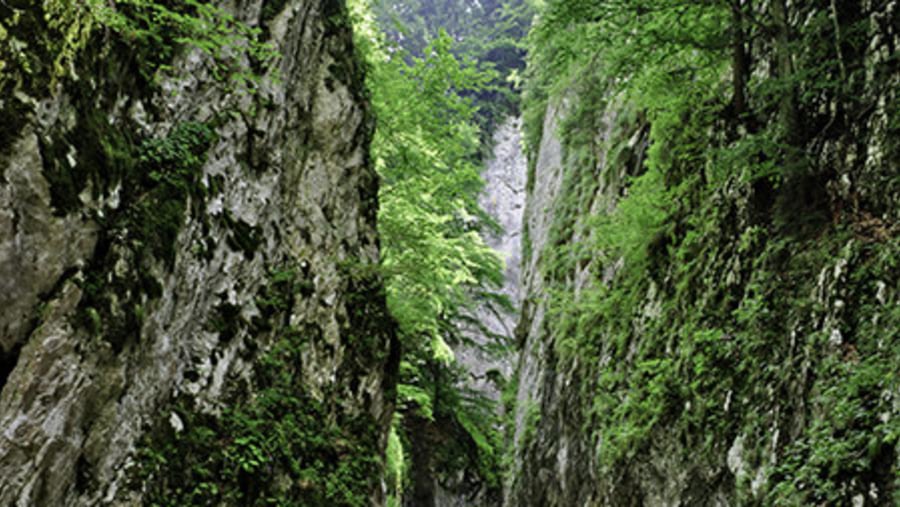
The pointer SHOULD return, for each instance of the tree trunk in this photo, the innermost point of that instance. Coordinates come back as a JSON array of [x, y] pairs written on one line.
[[784, 68], [740, 59]]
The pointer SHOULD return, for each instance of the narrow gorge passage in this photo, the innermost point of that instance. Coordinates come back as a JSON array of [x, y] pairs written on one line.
[[489, 361]]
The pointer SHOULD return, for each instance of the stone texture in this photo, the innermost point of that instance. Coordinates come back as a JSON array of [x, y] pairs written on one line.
[[503, 198], [294, 177], [488, 362], [552, 463]]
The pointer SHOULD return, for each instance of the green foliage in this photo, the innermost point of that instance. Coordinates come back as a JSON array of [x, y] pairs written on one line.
[[155, 30], [43, 58], [169, 168], [623, 233], [853, 431], [425, 152], [532, 419], [174, 159], [436, 266], [710, 293], [489, 33], [395, 466], [160, 29], [698, 360], [413, 397]]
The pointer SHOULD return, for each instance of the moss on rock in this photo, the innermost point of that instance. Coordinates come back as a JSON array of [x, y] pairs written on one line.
[[278, 446]]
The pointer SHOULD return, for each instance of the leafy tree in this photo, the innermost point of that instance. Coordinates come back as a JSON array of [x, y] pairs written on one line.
[[490, 33], [436, 266]]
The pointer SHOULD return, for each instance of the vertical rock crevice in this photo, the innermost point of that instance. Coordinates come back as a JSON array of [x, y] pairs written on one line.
[[487, 361]]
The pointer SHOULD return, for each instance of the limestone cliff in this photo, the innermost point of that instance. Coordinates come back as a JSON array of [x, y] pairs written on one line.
[[186, 271], [751, 357], [487, 361]]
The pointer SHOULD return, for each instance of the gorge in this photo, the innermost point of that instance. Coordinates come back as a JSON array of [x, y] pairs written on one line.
[[448, 253]]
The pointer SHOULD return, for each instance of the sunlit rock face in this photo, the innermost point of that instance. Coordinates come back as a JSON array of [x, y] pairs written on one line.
[[503, 198], [122, 294], [488, 361]]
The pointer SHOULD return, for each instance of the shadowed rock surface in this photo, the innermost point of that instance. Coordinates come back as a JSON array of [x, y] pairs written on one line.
[[132, 306]]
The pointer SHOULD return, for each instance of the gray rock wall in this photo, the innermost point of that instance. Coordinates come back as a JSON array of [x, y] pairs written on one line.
[[488, 361], [503, 198], [120, 294]]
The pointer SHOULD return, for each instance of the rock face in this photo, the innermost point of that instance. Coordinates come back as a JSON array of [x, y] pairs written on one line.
[[488, 362], [768, 354], [159, 240], [503, 198], [552, 457]]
